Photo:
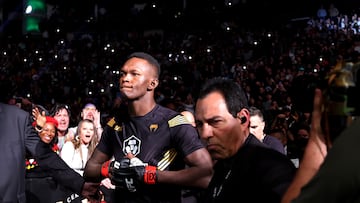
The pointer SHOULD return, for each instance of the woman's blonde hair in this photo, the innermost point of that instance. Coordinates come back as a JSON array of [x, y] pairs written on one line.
[[93, 142]]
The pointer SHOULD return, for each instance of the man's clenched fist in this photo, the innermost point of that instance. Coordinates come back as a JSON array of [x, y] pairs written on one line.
[[130, 173]]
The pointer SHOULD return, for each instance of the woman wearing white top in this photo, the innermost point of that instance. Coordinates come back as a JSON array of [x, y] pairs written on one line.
[[76, 152]]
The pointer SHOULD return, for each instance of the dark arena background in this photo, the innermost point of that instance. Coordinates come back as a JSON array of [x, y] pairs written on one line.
[[109, 15], [77, 47]]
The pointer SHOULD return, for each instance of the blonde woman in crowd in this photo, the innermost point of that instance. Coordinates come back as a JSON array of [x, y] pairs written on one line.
[[76, 152]]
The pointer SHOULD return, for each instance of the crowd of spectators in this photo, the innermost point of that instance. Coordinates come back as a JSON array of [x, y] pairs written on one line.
[[277, 67]]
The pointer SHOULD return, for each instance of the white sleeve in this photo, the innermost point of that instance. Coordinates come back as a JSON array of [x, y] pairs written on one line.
[[67, 153]]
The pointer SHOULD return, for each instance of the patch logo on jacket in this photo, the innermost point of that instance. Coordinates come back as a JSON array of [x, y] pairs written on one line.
[[132, 145], [153, 127]]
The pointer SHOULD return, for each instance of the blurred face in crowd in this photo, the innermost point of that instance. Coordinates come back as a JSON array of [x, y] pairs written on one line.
[[137, 78], [257, 126], [62, 116], [303, 134], [88, 112], [86, 131], [48, 132], [222, 133]]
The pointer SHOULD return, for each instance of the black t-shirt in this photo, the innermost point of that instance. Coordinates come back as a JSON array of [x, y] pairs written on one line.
[[161, 138]]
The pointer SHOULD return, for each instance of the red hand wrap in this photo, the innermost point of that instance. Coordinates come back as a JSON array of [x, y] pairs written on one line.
[[105, 169], [150, 175]]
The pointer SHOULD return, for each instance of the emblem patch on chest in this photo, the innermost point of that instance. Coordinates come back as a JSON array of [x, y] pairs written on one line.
[[132, 145], [153, 127]]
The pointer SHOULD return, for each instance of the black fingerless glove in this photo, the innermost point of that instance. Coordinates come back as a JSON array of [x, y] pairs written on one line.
[[124, 175]]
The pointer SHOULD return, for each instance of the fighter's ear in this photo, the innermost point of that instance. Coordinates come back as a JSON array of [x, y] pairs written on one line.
[[153, 84]]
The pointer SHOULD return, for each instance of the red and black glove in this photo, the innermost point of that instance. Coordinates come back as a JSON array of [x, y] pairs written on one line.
[[125, 175], [147, 174]]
